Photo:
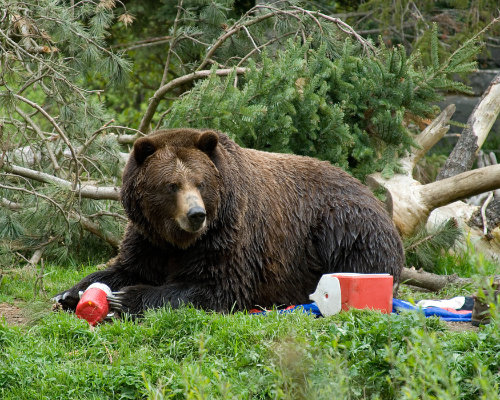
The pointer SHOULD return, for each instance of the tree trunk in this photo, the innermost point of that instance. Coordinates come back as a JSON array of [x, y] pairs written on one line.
[[473, 136]]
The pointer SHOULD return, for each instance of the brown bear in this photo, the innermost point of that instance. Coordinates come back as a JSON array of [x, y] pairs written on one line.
[[227, 228]]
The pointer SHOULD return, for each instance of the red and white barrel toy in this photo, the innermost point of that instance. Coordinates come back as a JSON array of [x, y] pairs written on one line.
[[93, 305]]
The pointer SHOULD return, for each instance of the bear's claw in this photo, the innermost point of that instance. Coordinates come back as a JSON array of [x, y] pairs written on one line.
[[115, 301]]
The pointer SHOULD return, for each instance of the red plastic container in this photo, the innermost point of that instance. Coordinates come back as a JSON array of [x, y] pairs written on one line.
[[93, 305], [372, 291]]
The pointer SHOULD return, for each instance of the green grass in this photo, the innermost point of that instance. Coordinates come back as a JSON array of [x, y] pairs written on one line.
[[466, 264], [192, 354]]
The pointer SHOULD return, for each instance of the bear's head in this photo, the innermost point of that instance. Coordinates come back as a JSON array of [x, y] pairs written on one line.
[[171, 186]]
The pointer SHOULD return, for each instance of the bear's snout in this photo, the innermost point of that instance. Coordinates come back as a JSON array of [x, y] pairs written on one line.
[[196, 216], [192, 214]]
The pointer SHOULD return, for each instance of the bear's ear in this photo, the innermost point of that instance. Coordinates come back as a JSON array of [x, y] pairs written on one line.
[[207, 142], [143, 148]]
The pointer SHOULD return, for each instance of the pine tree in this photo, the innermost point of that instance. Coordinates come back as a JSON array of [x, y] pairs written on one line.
[[354, 110], [53, 128]]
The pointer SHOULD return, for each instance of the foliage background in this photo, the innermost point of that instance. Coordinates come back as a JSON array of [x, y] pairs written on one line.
[[76, 79]]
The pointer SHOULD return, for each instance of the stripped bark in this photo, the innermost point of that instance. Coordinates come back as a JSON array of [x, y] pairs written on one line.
[[411, 203]]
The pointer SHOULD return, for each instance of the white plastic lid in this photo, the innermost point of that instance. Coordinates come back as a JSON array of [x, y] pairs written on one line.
[[101, 286], [327, 295]]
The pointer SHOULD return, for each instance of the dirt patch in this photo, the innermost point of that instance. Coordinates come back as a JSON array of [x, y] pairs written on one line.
[[13, 315], [461, 326]]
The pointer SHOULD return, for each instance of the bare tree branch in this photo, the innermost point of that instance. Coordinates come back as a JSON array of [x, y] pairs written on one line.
[[473, 136], [171, 43], [94, 228], [457, 187], [141, 43], [6, 203], [433, 282], [412, 202], [234, 29], [86, 190], [40, 134]]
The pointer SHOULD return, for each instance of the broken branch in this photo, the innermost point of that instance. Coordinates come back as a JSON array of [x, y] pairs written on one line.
[[412, 202]]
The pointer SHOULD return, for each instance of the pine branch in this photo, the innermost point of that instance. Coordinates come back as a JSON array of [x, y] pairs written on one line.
[[40, 61], [446, 64], [262, 46], [93, 137], [36, 194], [158, 95], [86, 224], [59, 131], [230, 32]]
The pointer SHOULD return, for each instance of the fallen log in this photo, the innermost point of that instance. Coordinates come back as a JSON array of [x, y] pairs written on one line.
[[433, 282]]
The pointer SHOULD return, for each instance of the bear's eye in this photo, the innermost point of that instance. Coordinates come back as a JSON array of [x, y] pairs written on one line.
[[173, 187], [200, 185]]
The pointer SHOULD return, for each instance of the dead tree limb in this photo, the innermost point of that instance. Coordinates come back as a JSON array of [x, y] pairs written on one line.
[[94, 228], [412, 202], [433, 282], [84, 190], [59, 131], [37, 255], [6, 203], [434, 132], [463, 185], [430, 281]]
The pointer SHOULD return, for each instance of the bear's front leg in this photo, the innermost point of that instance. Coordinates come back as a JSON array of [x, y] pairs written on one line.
[[134, 300], [114, 277]]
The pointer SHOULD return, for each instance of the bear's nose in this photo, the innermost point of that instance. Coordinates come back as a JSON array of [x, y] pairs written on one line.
[[196, 216]]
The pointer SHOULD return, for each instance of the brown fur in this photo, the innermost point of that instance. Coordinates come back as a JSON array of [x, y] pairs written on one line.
[[274, 224]]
